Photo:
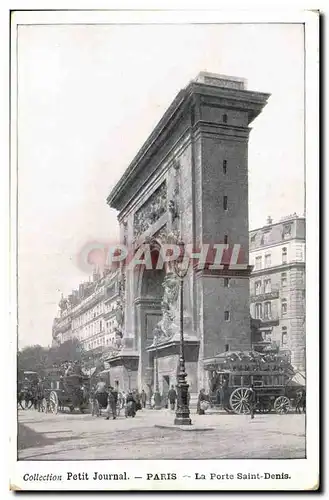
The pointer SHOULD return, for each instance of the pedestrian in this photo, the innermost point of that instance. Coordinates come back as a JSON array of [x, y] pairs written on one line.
[[112, 403], [202, 403], [143, 398], [172, 396], [164, 400], [137, 400], [219, 397], [252, 401], [123, 399], [225, 394], [130, 409]]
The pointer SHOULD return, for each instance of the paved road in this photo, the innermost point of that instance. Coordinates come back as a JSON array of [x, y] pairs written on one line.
[[83, 437]]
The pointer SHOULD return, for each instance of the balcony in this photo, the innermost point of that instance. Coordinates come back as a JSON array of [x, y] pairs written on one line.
[[263, 294], [271, 319]]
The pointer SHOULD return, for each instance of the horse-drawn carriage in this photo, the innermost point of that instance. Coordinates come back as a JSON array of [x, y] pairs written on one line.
[[66, 390], [235, 376]]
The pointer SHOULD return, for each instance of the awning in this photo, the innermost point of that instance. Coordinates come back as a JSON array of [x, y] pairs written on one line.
[[299, 379]]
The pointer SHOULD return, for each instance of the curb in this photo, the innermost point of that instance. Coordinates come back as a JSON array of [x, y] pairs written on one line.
[[186, 428]]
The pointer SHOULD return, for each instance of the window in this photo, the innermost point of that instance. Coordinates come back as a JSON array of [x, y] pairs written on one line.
[[236, 381], [225, 239], [226, 282], [284, 306], [267, 285], [258, 287], [227, 315], [100, 325], [268, 260], [224, 118], [283, 279], [227, 347], [265, 238], [284, 255], [267, 310], [225, 202], [258, 311], [299, 253], [258, 263], [224, 166], [286, 232], [266, 335], [284, 336]]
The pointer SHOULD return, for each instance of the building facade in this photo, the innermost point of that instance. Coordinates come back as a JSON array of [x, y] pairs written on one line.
[[277, 285], [89, 314], [188, 182]]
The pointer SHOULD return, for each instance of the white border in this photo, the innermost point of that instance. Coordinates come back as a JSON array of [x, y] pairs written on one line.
[[304, 473]]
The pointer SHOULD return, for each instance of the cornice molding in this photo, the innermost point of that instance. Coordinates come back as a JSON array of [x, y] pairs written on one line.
[[180, 110]]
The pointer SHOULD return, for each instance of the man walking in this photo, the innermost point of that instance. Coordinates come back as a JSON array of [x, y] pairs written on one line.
[[143, 398], [252, 401], [112, 403], [172, 396]]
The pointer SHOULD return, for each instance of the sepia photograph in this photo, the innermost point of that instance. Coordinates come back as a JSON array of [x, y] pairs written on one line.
[[159, 213]]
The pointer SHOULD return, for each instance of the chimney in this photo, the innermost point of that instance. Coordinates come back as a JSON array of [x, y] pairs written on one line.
[[269, 220]]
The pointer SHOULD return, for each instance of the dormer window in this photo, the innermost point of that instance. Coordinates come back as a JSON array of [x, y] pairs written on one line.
[[224, 118], [286, 232]]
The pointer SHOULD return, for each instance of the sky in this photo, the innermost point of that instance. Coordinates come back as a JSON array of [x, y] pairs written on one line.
[[88, 98]]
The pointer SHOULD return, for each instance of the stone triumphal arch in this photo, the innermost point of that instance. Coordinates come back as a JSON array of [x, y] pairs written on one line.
[[188, 181]]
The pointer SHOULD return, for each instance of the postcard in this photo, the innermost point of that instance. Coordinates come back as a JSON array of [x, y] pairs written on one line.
[[164, 165]]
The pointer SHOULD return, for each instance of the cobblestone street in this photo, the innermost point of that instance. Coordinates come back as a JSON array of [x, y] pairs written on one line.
[[74, 436]]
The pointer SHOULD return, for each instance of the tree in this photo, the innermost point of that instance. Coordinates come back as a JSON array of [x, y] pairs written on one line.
[[37, 358], [32, 358], [71, 350]]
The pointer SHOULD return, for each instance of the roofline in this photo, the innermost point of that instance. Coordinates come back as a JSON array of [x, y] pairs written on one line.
[[170, 112], [297, 217], [182, 99]]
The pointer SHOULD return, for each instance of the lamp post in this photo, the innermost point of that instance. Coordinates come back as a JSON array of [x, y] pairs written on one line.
[[183, 411], [157, 397], [129, 376]]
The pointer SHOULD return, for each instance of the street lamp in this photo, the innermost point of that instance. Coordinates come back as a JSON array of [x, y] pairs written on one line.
[[181, 266], [157, 397]]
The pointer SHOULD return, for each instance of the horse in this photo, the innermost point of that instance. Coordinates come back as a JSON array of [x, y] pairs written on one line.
[[301, 401], [25, 394]]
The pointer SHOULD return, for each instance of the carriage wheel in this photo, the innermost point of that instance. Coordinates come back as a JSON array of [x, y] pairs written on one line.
[[282, 405], [264, 406], [53, 402], [239, 401]]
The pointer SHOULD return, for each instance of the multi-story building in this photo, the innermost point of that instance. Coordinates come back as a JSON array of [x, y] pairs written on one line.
[[89, 313], [277, 285]]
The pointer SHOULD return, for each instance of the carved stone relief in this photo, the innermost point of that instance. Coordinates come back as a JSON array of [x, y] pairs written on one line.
[[173, 205], [151, 211]]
